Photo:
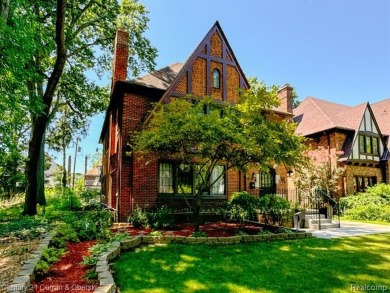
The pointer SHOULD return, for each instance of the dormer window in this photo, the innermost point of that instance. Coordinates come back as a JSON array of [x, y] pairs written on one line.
[[216, 79], [368, 144]]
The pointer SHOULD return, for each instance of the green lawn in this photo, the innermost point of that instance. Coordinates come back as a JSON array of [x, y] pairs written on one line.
[[308, 265]]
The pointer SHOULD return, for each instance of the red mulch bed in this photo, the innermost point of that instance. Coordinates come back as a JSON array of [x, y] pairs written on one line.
[[217, 229], [67, 274]]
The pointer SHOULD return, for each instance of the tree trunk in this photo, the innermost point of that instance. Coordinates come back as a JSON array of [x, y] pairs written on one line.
[[64, 178], [196, 210], [41, 200], [40, 123], [4, 6], [34, 149]]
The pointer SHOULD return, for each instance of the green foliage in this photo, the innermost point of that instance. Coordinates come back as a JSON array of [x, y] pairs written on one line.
[[373, 205], [361, 199], [117, 237], [241, 207], [53, 60], [264, 232], [139, 218], [91, 275], [284, 230], [204, 131], [63, 199], [161, 217], [63, 233], [156, 234], [276, 207], [241, 233], [42, 268], [381, 190], [317, 175], [50, 255], [198, 234], [12, 223], [89, 195], [370, 212]]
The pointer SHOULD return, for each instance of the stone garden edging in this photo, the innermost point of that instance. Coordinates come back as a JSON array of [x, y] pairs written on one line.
[[106, 280], [22, 281]]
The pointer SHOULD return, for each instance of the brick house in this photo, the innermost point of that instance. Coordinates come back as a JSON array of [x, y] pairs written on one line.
[[211, 70], [356, 138]]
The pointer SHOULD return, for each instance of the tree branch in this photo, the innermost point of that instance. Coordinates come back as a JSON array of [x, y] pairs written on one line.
[[60, 58]]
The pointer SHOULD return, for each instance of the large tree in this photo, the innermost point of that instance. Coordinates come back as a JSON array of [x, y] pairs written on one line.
[[202, 134], [49, 46]]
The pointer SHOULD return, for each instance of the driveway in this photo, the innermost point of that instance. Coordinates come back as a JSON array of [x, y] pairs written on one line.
[[349, 229]]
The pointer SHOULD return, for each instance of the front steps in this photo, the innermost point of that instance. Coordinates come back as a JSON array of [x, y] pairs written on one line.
[[311, 222]]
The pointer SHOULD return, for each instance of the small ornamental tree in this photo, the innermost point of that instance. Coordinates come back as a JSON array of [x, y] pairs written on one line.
[[204, 134], [319, 173]]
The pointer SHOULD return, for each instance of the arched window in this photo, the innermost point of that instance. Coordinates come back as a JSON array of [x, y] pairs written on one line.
[[216, 79], [267, 181]]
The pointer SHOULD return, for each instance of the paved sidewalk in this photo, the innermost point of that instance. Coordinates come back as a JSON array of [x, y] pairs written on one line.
[[349, 229]]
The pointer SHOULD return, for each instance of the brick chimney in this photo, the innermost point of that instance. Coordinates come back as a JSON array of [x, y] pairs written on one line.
[[121, 55], [285, 95]]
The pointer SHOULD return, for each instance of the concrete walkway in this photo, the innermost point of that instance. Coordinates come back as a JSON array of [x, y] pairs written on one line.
[[349, 229]]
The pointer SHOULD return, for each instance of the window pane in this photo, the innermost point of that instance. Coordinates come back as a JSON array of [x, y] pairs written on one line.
[[184, 179], [362, 149], [166, 178], [368, 145], [219, 186], [216, 78], [375, 149]]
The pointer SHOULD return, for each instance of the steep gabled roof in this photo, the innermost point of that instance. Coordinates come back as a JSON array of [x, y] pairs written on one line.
[[200, 51], [316, 115], [382, 114], [160, 79]]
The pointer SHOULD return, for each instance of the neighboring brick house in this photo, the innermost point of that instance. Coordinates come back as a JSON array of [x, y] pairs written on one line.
[[211, 70], [356, 138]]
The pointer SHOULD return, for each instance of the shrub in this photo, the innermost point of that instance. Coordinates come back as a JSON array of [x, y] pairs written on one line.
[[276, 207], [198, 234], [63, 233], [50, 255], [92, 224], [361, 199], [89, 195], [373, 205], [241, 207], [139, 218], [162, 218], [381, 190], [369, 212], [63, 199]]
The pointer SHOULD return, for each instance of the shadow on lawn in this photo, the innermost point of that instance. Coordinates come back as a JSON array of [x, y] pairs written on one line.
[[310, 265]]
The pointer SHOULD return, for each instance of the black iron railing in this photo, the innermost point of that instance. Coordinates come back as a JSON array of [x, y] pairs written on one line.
[[315, 203]]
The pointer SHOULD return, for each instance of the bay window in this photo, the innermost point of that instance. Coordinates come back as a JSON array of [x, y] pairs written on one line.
[[181, 179]]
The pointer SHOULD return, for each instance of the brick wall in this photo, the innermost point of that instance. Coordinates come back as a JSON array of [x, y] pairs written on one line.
[[362, 171], [199, 77], [233, 84], [216, 45], [285, 95], [133, 187], [121, 54]]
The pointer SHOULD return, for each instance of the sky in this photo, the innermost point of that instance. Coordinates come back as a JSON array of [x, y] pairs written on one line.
[[336, 50]]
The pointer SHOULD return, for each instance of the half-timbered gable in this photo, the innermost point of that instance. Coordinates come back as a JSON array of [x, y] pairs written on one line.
[[348, 137]]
